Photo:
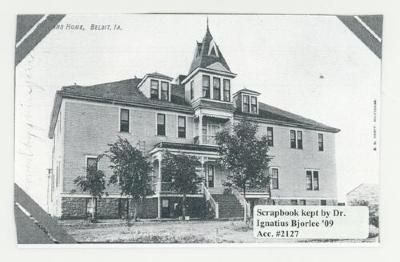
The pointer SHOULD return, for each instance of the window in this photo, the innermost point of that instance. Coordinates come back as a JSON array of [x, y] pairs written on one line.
[[302, 202], [210, 175], [309, 180], [246, 105], [164, 91], [154, 89], [124, 120], [165, 203], [320, 142], [315, 180], [312, 180], [227, 90], [292, 139], [206, 86], [270, 136], [296, 143], [274, 178], [91, 163], [191, 90], [181, 126], [293, 202], [323, 202], [254, 104], [160, 124], [299, 140], [58, 175], [216, 88]]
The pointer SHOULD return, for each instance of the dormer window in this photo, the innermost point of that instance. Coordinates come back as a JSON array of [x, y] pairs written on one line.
[[212, 51], [154, 89], [254, 104], [165, 91], [246, 104]]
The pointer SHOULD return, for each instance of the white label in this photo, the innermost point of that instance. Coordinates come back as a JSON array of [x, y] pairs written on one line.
[[316, 222]]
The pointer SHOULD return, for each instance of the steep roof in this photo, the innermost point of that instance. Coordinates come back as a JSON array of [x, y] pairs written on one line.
[[203, 58], [282, 117]]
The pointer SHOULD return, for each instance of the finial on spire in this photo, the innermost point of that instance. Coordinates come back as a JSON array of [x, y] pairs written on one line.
[[208, 29]]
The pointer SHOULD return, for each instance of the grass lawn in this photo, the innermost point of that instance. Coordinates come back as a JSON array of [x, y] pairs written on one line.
[[117, 231]]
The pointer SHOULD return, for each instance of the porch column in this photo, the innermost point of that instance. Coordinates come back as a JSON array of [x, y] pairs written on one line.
[[200, 129], [202, 169], [159, 187]]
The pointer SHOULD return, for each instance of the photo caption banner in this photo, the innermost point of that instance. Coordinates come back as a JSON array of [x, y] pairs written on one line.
[[311, 222]]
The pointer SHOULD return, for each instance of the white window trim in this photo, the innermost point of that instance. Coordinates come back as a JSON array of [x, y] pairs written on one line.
[[312, 179], [119, 119], [91, 156], [210, 86], [221, 80], [270, 174], [177, 127], [213, 45], [165, 124], [323, 141], [302, 138]]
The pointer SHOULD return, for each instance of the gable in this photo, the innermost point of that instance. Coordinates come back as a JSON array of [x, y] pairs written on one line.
[[218, 66]]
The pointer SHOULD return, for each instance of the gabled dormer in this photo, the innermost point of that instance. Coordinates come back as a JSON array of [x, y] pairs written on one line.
[[246, 101], [209, 77], [156, 86]]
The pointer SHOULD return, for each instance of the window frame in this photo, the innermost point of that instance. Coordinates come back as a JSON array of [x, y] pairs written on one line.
[[296, 139], [226, 90], [158, 125], [191, 90], [299, 139], [152, 88], [246, 103], [216, 88], [121, 121], [87, 158], [272, 178], [253, 105], [293, 139], [315, 183], [185, 126], [270, 138], [320, 142], [163, 91], [203, 87]]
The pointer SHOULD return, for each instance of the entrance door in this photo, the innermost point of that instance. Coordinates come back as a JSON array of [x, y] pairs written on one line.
[[210, 175]]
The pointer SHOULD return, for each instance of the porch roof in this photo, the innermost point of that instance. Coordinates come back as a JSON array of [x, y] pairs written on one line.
[[183, 146]]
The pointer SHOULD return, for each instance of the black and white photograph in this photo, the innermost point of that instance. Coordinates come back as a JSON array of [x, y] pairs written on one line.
[[197, 128]]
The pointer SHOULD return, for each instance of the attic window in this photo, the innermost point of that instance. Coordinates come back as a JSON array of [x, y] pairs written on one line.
[[212, 51]]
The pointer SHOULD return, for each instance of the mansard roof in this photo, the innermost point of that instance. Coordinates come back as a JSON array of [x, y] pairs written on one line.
[[206, 57]]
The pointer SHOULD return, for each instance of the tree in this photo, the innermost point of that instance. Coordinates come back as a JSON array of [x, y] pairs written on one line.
[[132, 172], [246, 155], [180, 171], [94, 182]]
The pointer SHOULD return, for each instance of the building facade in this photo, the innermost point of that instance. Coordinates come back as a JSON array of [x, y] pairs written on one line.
[[183, 114]]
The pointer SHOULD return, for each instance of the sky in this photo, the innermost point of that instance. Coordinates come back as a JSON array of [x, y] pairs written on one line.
[[309, 65]]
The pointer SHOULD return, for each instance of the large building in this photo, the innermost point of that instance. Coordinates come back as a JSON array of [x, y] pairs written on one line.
[[183, 114]]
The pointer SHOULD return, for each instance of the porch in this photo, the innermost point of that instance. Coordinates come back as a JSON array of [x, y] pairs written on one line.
[[210, 194]]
